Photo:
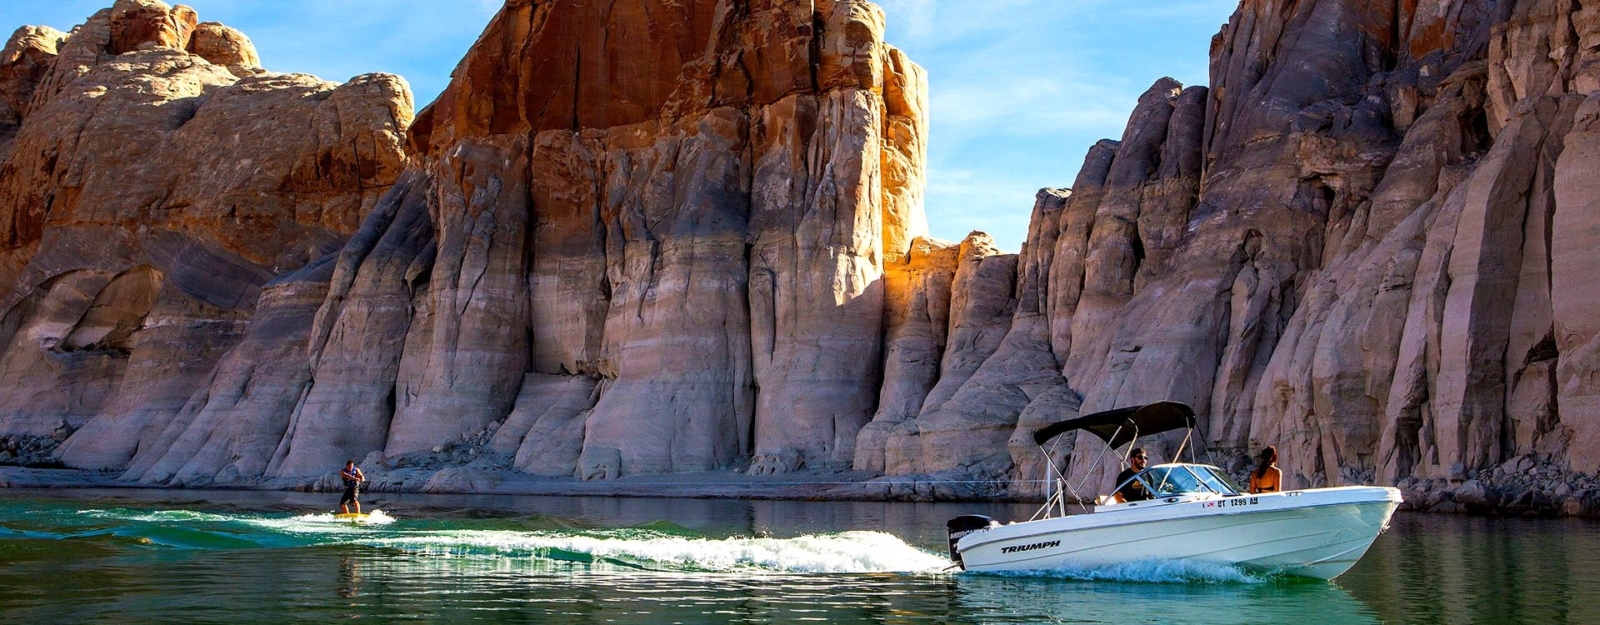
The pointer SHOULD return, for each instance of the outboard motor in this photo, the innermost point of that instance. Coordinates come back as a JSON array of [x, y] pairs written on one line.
[[963, 525]]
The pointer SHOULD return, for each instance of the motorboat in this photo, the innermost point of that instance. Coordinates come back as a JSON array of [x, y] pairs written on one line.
[[1197, 513]]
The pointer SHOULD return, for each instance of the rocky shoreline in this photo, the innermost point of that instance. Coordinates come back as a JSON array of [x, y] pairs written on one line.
[[1525, 485], [1528, 485]]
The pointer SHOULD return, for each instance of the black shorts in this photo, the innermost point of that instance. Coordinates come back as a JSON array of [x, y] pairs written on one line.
[[349, 494]]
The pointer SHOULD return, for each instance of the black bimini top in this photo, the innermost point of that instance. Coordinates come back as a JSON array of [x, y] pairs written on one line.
[[1118, 427]]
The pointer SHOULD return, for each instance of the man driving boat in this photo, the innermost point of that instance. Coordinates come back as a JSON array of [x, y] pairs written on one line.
[[1133, 490]]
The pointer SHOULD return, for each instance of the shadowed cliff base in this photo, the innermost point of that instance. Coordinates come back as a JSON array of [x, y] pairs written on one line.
[[1504, 495], [696, 247]]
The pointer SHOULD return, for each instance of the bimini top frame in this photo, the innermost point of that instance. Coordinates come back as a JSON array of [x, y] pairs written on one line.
[[1116, 427]]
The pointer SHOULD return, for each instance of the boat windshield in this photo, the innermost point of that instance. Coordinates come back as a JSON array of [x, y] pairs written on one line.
[[1177, 479], [1172, 480], [1218, 480]]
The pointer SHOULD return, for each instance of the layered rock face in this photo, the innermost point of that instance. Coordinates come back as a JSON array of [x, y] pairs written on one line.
[[1364, 244], [641, 239], [154, 181], [671, 269], [1424, 341]]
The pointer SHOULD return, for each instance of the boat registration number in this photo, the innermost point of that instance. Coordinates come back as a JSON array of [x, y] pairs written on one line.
[[1234, 502]]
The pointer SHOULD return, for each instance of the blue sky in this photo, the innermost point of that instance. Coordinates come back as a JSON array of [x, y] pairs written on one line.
[[1020, 88]]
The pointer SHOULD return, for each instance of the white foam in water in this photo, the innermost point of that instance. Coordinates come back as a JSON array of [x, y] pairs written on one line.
[[158, 516], [375, 517], [848, 552], [305, 523], [1156, 571], [321, 522]]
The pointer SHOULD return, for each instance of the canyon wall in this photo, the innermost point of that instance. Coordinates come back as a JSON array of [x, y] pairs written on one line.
[[625, 240], [680, 237], [155, 179], [1362, 244]]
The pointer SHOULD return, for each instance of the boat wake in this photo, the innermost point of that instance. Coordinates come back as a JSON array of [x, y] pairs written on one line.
[[155, 516], [1149, 571], [656, 547], [847, 552]]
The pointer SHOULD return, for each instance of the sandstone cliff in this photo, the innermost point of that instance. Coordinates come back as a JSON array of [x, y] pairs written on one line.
[[640, 239], [677, 237], [1363, 244], [154, 180]]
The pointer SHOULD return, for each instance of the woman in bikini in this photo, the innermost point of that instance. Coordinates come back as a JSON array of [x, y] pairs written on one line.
[[1267, 478]]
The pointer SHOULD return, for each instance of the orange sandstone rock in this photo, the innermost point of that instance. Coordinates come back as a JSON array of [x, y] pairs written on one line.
[[147, 196]]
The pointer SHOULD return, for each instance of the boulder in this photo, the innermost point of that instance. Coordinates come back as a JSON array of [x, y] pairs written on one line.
[[225, 46], [1473, 493]]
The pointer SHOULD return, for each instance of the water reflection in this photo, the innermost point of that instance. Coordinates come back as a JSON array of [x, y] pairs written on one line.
[[556, 592], [1020, 600], [1451, 569], [349, 577]]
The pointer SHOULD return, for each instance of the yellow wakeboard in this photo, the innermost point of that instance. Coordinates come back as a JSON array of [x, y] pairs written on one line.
[[352, 517]]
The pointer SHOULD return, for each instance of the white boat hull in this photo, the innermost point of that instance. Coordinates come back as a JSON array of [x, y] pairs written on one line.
[[1316, 533]]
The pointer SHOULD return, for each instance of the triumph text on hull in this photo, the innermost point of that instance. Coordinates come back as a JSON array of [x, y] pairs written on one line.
[[1197, 514]]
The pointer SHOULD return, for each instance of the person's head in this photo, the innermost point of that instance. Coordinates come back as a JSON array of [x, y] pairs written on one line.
[[349, 464], [1137, 458], [1268, 457]]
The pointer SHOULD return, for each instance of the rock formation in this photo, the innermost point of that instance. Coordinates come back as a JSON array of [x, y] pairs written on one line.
[[1361, 244], [154, 182], [676, 269], [677, 237], [649, 239]]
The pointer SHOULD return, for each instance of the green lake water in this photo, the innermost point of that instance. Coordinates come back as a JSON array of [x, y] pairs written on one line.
[[133, 556]]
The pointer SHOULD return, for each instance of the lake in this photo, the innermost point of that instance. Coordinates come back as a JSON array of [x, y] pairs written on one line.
[[73, 556]]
